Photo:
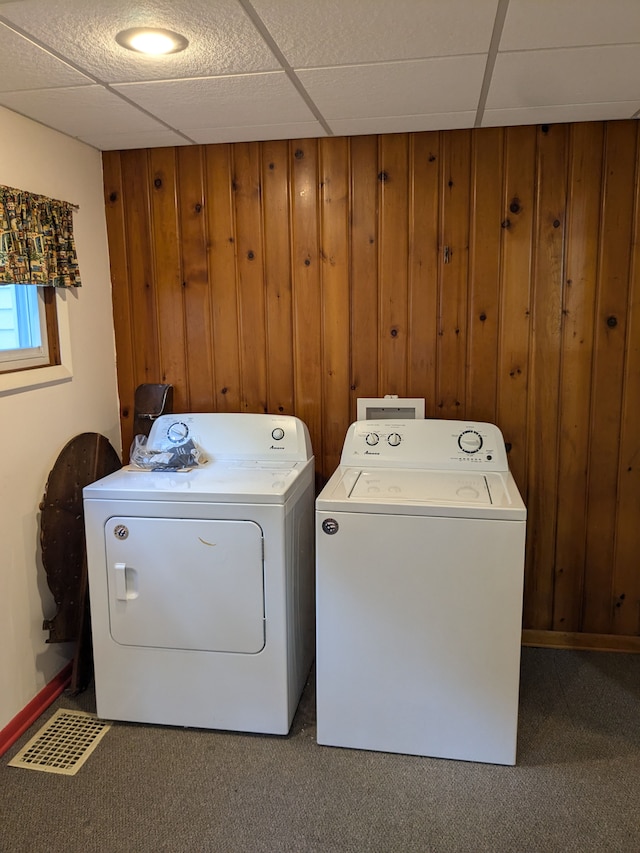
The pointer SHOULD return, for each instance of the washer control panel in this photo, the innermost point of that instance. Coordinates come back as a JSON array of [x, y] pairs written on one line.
[[393, 439], [428, 443]]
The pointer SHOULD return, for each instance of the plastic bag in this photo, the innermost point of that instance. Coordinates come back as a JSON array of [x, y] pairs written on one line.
[[169, 457]]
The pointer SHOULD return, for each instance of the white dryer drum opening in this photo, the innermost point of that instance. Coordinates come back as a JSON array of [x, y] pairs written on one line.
[[186, 583]]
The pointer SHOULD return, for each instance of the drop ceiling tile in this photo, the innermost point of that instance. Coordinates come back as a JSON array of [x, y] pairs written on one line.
[[402, 124], [257, 133], [585, 75], [560, 114], [79, 111], [240, 101], [105, 141], [570, 23], [24, 65], [222, 39], [416, 87], [341, 32]]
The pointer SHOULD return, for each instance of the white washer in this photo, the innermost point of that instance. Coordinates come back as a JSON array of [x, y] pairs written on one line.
[[420, 538], [201, 582]]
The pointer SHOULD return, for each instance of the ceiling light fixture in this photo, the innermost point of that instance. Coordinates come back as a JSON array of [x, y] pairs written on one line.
[[151, 41]]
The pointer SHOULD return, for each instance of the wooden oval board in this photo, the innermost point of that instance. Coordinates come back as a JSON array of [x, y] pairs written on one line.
[[86, 458]]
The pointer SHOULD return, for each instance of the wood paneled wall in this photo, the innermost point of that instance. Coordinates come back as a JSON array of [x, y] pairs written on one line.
[[494, 272]]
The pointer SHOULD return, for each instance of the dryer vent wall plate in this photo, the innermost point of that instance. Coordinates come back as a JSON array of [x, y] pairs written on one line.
[[390, 406]]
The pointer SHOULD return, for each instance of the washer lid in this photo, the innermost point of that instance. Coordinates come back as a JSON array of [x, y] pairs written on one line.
[[432, 486], [403, 491]]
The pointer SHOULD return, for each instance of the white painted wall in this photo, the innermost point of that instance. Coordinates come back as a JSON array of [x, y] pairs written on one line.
[[38, 421]]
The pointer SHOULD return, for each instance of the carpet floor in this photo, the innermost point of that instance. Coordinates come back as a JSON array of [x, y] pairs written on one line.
[[145, 789]]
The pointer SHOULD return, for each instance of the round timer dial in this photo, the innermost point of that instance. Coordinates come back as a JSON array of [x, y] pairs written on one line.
[[372, 439], [178, 432], [470, 441]]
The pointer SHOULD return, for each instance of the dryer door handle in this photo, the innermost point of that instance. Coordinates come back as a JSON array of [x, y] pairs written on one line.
[[120, 574]]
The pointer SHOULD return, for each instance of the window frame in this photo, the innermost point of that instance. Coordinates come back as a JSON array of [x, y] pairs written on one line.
[[47, 353], [60, 367]]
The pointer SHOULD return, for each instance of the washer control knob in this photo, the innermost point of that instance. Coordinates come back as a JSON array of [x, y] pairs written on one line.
[[372, 439], [394, 439], [470, 441], [277, 434], [178, 432]]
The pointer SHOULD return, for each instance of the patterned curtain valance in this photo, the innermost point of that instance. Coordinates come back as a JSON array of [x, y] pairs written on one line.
[[36, 240]]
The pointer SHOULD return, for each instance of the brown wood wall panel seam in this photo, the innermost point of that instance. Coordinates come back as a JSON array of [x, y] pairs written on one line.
[[363, 258], [120, 291], [165, 224], [625, 590], [454, 271], [392, 263], [487, 188], [196, 293], [583, 206], [278, 290], [544, 385], [423, 241], [306, 289], [607, 377], [221, 266]]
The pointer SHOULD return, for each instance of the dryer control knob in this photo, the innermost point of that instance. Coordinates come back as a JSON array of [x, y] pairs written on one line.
[[372, 439], [277, 434], [178, 432], [394, 439]]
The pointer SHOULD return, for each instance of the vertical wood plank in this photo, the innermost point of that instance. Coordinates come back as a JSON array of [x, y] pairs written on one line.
[[247, 187], [114, 192], [424, 210], [393, 249], [608, 371], [136, 180], [364, 268], [307, 304], [221, 241], [454, 269], [277, 268], [626, 577], [515, 296], [334, 235], [195, 278], [168, 277], [583, 224], [487, 161], [544, 385]]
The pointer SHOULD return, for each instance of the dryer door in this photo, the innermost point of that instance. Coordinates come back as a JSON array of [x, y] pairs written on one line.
[[186, 583]]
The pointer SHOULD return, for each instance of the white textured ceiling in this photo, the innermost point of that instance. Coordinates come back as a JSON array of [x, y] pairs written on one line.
[[278, 69]]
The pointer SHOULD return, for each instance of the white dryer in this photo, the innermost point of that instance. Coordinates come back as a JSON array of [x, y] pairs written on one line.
[[420, 537], [201, 581]]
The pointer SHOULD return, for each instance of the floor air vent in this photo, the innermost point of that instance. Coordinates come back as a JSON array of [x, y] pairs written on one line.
[[63, 744]]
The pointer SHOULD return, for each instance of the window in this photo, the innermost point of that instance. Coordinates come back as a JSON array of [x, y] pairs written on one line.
[[28, 327], [37, 262]]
